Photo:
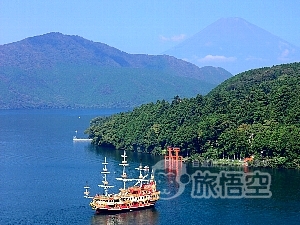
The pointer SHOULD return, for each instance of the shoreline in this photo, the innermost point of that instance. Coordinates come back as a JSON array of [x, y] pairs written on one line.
[[275, 162]]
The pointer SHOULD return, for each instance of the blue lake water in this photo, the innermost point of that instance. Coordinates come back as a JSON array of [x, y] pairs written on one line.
[[42, 174]]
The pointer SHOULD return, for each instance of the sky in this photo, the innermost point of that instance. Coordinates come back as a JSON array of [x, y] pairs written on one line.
[[142, 26]]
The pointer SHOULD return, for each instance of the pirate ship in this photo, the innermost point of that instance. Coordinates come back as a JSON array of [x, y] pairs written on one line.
[[141, 195]]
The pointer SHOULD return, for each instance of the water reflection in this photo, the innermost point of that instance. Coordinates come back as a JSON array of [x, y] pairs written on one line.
[[146, 216]]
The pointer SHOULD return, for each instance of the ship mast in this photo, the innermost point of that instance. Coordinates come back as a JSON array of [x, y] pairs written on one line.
[[87, 191], [152, 175], [124, 175], [104, 171], [141, 177]]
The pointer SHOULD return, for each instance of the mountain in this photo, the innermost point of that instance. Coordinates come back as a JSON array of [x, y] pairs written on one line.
[[253, 113], [236, 45], [59, 71]]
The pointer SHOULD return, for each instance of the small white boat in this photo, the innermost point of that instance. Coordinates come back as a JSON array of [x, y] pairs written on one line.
[[81, 139]]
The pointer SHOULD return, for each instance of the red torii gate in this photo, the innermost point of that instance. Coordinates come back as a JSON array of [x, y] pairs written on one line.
[[171, 157], [173, 162]]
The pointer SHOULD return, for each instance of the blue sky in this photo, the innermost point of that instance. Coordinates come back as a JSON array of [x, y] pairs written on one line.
[[142, 26]]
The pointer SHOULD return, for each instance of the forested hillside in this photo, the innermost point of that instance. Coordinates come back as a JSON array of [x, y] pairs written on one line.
[[254, 113], [64, 71]]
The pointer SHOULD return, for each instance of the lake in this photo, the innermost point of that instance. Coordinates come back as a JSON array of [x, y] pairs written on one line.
[[43, 172]]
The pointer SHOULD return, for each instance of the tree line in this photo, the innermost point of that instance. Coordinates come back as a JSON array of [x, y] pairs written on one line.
[[254, 113]]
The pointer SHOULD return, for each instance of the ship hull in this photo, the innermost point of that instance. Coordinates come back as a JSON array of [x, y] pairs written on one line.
[[122, 210]]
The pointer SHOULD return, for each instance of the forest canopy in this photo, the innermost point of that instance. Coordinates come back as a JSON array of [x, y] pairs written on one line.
[[253, 113]]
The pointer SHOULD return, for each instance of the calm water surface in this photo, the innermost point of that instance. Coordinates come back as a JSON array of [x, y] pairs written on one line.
[[42, 174]]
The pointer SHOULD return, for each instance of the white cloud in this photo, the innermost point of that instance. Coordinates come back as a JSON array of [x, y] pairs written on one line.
[[217, 58], [284, 54], [175, 38], [286, 51]]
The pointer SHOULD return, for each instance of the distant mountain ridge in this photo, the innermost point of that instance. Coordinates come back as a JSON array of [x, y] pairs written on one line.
[[58, 71], [236, 45]]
